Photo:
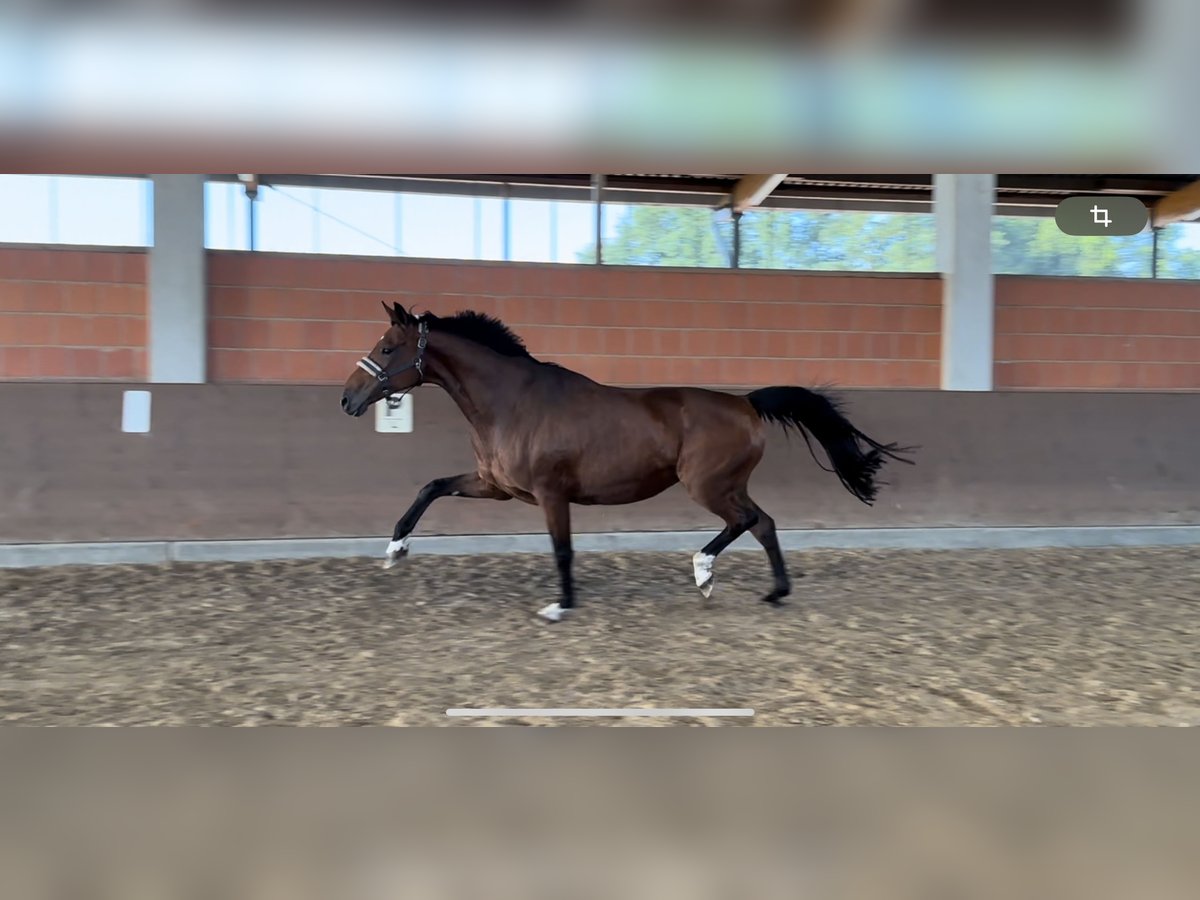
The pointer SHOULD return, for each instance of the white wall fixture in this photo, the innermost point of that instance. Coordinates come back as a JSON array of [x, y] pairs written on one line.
[[135, 412], [394, 414]]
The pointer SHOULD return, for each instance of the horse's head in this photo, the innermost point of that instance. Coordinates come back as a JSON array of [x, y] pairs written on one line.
[[394, 365]]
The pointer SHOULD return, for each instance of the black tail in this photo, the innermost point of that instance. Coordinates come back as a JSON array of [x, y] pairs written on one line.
[[813, 411]]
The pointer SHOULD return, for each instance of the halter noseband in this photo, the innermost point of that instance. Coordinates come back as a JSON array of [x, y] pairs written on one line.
[[382, 373]]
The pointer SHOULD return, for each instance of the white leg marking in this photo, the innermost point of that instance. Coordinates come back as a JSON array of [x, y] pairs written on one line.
[[553, 612], [703, 564], [396, 551]]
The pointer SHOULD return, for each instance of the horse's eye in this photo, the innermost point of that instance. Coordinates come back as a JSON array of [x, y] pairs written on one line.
[[386, 351]]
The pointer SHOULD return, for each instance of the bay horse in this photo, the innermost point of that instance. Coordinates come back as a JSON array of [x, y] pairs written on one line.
[[552, 437]]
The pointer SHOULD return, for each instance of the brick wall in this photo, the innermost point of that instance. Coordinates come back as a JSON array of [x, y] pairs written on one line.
[[80, 315], [72, 314], [1093, 333], [283, 318]]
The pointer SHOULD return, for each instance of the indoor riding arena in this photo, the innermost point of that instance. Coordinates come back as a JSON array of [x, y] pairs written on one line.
[[192, 532]]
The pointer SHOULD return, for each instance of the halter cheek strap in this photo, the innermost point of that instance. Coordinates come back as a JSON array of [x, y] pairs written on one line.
[[382, 373]]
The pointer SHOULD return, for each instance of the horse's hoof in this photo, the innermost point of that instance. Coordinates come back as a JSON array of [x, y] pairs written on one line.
[[702, 563], [396, 551], [553, 612]]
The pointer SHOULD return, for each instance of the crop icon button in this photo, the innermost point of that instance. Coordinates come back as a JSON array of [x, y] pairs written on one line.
[[1101, 215]]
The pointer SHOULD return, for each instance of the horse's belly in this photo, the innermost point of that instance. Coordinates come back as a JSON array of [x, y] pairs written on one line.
[[625, 490]]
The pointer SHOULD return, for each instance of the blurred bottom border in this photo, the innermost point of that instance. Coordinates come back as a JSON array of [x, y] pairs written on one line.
[[497, 813]]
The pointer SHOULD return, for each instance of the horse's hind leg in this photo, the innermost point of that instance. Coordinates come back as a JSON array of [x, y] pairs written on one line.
[[764, 532], [740, 515]]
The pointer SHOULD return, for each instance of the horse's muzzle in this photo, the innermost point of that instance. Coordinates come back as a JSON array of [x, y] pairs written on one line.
[[351, 408]]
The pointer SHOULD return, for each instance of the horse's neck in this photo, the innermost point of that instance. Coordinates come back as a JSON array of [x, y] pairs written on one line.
[[477, 379]]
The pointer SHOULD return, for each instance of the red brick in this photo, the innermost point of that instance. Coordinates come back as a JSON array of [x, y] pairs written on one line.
[[120, 299], [922, 319], [259, 334], [560, 340], [317, 335], [537, 337], [107, 331], [908, 346], [543, 310], [306, 304], [283, 334], [1186, 377], [642, 282], [1176, 350], [776, 344], [132, 268], [35, 265], [867, 318], [117, 364], [29, 330], [76, 331], [643, 342], [334, 368], [226, 301], [615, 342], [300, 366], [653, 371], [671, 343], [602, 281], [856, 346], [89, 362], [656, 314], [105, 267], [695, 342], [828, 344], [50, 296], [134, 331], [590, 341], [272, 366], [840, 318], [15, 296], [18, 362], [359, 307], [780, 287], [598, 312], [227, 365], [356, 336], [731, 315]]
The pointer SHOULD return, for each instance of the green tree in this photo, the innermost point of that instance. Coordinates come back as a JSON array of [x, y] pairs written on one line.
[[879, 242], [1178, 257], [1025, 245], [663, 236]]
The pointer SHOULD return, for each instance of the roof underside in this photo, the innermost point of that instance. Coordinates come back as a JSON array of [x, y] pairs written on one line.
[[1016, 193]]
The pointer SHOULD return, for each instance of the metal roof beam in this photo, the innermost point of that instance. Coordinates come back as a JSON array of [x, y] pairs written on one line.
[[1182, 205], [751, 190]]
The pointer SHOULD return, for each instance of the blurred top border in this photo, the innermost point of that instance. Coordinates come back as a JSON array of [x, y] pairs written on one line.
[[834, 85]]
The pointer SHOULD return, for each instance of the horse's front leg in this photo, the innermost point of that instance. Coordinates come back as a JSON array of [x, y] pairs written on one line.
[[558, 523], [467, 485]]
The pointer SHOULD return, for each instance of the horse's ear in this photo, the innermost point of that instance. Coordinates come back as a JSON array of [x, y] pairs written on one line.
[[396, 313]]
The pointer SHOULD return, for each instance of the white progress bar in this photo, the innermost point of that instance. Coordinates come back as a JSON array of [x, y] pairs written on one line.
[[595, 713]]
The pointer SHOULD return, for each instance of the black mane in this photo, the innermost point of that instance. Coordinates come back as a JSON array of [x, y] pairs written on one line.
[[482, 329]]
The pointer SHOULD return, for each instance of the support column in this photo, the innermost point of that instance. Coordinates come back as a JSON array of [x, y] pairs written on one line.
[[963, 209], [176, 282]]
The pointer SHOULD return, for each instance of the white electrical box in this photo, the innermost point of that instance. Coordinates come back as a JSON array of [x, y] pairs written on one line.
[[135, 412], [394, 414]]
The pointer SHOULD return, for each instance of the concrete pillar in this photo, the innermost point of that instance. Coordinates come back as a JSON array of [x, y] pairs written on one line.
[[963, 209], [178, 345]]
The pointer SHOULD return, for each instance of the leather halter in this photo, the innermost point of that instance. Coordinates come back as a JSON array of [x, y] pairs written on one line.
[[383, 374]]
